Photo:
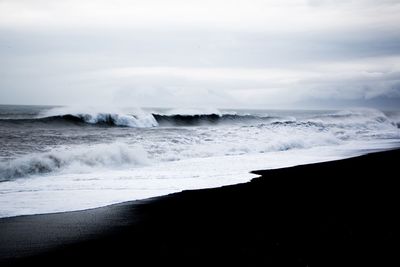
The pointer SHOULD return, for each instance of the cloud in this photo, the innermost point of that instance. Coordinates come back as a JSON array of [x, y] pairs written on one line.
[[218, 87], [217, 53], [264, 15]]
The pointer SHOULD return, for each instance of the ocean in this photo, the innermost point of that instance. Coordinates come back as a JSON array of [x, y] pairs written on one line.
[[55, 159]]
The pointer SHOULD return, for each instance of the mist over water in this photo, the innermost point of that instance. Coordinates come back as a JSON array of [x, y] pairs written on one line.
[[68, 158]]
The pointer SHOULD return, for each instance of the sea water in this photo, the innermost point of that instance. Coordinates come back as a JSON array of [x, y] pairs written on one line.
[[55, 159]]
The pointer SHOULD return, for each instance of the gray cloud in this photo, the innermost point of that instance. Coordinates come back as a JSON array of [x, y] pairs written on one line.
[[264, 54]]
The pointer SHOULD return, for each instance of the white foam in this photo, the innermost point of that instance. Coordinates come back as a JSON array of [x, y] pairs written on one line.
[[137, 118], [153, 162], [163, 144], [74, 160], [67, 192], [352, 117], [193, 111]]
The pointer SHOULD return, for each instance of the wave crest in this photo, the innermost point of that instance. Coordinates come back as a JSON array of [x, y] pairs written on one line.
[[108, 116], [141, 119], [74, 160], [114, 119]]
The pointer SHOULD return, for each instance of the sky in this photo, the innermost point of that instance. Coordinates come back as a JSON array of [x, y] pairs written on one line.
[[210, 53]]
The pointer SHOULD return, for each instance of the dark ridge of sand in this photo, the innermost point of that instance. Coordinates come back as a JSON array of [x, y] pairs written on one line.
[[340, 213]]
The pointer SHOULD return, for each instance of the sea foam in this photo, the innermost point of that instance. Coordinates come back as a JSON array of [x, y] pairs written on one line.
[[112, 116], [89, 166], [74, 160]]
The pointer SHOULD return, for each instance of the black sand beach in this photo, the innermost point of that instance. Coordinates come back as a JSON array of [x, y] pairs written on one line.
[[341, 213]]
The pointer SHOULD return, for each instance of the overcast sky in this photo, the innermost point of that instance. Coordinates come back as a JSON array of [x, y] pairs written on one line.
[[205, 53]]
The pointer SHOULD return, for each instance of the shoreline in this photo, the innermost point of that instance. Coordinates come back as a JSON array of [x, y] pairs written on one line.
[[331, 213]]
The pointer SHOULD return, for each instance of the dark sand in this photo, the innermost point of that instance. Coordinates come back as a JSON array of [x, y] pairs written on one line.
[[341, 213]]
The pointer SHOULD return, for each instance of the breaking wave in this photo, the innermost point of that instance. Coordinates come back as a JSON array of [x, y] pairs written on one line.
[[91, 116], [142, 119], [108, 116], [193, 120], [105, 119], [74, 160]]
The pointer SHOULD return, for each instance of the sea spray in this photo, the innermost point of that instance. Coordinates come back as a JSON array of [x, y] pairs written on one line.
[[61, 159], [74, 160]]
